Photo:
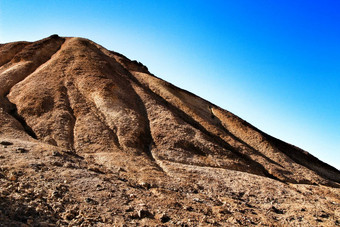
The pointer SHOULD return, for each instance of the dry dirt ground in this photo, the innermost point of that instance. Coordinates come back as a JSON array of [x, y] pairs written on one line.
[[91, 138]]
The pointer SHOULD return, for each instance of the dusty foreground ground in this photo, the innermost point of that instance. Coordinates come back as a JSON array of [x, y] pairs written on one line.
[[44, 185], [90, 138]]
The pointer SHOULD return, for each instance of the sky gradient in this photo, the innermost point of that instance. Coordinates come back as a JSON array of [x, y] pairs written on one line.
[[276, 64]]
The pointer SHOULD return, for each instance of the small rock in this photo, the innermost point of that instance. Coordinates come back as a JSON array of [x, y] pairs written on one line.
[[69, 216], [165, 218], [55, 194], [57, 164], [188, 208], [29, 221], [69, 165], [120, 169], [221, 210], [249, 205], [95, 169], [55, 153], [143, 213], [37, 166], [122, 179], [39, 208], [91, 201], [129, 209], [6, 143], [198, 200], [12, 177], [276, 210], [324, 215], [99, 187], [21, 150], [144, 185]]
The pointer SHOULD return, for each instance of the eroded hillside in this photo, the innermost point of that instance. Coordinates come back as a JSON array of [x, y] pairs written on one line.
[[90, 137]]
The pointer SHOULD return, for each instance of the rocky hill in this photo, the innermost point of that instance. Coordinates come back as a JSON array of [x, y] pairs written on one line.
[[91, 138]]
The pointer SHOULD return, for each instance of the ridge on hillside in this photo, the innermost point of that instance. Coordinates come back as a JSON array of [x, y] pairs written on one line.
[[98, 108]]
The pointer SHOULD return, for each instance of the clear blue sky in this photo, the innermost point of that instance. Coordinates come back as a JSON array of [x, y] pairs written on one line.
[[276, 63]]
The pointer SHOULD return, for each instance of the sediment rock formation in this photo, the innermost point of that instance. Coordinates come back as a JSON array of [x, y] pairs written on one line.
[[90, 137]]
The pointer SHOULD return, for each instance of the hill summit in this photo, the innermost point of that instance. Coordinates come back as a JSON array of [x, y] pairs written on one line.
[[89, 137]]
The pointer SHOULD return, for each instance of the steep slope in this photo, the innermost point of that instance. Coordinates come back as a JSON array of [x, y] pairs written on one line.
[[101, 112]]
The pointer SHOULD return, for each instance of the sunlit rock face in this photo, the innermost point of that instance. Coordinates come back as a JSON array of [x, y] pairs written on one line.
[[87, 116]]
